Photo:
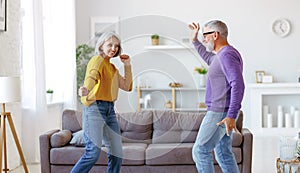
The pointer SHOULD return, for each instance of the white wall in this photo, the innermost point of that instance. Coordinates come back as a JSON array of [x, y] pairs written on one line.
[[249, 22], [10, 65]]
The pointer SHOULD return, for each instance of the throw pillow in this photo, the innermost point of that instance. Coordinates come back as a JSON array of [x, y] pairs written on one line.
[[60, 138], [77, 139]]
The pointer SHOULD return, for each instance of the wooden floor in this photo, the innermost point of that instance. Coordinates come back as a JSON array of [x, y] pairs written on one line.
[[32, 168]]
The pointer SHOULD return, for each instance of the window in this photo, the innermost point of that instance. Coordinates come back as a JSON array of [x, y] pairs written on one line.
[[49, 32]]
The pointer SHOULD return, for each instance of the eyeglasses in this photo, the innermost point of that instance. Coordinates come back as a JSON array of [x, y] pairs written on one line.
[[207, 33]]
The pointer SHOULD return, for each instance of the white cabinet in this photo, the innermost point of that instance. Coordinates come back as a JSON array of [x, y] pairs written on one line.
[[271, 96]]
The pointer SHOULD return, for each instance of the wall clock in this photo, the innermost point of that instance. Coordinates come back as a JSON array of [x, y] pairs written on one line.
[[281, 27]]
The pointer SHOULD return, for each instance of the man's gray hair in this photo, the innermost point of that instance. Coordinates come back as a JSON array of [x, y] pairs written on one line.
[[103, 38], [218, 26]]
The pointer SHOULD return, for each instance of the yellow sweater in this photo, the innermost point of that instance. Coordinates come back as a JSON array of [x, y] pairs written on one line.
[[103, 80]]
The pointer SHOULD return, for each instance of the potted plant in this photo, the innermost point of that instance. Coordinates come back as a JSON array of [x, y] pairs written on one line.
[[83, 55], [155, 39], [201, 82], [201, 70], [49, 95]]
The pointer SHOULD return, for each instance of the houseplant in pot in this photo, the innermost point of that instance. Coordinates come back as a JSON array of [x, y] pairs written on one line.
[[49, 95], [84, 53], [155, 39], [201, 76]]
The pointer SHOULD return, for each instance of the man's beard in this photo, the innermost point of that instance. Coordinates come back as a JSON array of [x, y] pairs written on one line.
[[210, 46]]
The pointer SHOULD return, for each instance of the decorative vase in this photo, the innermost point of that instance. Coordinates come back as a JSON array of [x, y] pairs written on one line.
[[49, 97], [168, 104], [155, 41], [202, 80]]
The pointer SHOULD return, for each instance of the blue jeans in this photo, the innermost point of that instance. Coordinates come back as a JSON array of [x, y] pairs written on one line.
[[212, 137], [100, 123]]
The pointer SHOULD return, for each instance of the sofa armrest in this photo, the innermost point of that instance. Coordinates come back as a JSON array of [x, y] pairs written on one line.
[[247, 147], [45, 147]]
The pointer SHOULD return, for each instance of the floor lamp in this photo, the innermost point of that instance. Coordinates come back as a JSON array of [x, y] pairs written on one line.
[[9, 92]]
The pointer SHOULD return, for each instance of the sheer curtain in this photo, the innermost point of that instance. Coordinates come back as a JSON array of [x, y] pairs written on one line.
[[48, 60]]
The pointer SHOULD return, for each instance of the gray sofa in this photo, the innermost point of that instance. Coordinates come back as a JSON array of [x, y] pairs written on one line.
[[153, 141]]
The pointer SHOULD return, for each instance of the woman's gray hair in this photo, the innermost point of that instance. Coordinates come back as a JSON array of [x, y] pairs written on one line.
[[103, 38], [218, 26]]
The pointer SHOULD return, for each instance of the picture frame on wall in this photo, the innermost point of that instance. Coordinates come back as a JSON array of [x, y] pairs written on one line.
[[100, 24], [3, 16], [259, 76]]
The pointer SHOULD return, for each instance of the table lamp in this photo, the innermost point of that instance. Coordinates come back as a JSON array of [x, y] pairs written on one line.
[[9, 92]]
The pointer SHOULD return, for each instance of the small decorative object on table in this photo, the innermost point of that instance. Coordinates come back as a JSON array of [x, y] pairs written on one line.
[[267, 79], [202, 105], [287, 148], [168, 104], [175, 84], [259, 76], [288, 162]]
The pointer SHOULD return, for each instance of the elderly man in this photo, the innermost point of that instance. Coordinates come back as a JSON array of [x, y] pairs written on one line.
[[224, 94]]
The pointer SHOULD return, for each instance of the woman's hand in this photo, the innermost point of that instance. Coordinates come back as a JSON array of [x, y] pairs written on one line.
[[195, 29], [83, 91], [125, 59]]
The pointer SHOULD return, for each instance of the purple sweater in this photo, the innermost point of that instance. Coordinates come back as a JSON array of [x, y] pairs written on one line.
[[225, 83]]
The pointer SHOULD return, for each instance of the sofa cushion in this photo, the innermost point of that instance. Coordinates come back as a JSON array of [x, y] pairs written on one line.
[[78, 139], [136, 127], [133, 154], [72, 120], [60, 138], [237, 151], [66, 155], [178, 153], [169, 154], [175, 127]]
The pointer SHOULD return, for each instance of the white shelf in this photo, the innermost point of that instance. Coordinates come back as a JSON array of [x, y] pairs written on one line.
[[274, 85], [169, 89], [179, 109], [191, 109], [173, 91], [168, 47], [156, 109]]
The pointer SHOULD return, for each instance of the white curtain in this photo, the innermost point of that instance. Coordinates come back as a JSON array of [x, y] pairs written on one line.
[[36, 48], [33, 77]]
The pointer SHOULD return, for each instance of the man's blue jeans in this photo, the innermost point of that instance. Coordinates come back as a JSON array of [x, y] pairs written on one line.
[[213, 137], [100, 123]]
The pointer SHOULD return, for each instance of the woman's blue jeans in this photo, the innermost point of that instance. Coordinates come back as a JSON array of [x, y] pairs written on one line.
[[100, 124], [212, 137]]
